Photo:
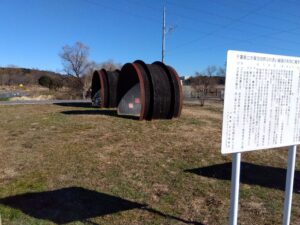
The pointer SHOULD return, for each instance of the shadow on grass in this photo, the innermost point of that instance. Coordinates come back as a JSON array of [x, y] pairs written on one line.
[[252, 174], [105, 112], [76, 104], [91, 112], [75, 204]]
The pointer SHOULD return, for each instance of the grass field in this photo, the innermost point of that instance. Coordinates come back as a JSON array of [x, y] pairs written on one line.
[[80, 165]]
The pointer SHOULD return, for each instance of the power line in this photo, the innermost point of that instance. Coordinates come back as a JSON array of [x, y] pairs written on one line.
[[257, 13], [204, 21], [272, 47], [234, 20], [292, 2], [207, 34], [272, 10], [250, 41], [236, 29], [231, 18], [150, 19], [229, 24], [176, 14]]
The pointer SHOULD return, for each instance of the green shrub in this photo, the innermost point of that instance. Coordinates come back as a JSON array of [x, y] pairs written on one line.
[[52, 84], [45, 81], [55, 84]]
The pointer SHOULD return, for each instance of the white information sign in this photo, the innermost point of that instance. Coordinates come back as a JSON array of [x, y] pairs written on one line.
[[262, 102]]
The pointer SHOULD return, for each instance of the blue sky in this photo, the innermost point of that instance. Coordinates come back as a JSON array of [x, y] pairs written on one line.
[[34, 31]]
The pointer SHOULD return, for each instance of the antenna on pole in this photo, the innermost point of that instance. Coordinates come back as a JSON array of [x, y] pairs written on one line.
[[163, 33]]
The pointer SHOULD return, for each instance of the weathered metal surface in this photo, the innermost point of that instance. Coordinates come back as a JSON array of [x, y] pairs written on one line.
[[149, 91], [97, 94], [176, 89], [112, 78], [131, 75], [160, 95], [178, 94], [130, 104], [106, 82]]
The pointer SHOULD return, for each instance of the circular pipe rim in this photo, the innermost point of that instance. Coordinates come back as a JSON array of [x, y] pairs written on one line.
[[176, 76], [151, 88], [172, 84], [142, 89], [104, 85], [141, 84]]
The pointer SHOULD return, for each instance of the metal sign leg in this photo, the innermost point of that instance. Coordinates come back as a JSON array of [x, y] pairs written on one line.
[[235, 186], [289, 185]]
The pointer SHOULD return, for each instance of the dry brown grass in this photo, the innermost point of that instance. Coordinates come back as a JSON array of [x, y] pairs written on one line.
[[45, 148], [37, 92]]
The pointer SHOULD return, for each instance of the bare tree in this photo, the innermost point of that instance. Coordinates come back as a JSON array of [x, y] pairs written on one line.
[[221, 71], [110, 65], [203, 82], [75, 59], [197, 85], [75, 62], [4, 79], [87, 77], [210, 71]]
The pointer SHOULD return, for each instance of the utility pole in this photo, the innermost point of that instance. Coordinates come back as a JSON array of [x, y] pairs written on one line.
[[163, 34]]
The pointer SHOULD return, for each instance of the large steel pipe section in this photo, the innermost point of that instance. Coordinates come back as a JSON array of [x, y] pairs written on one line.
[[112, 78], [176, 89], [149, 91], [98, 88], [104, 84], [133, 91], [160, 96]]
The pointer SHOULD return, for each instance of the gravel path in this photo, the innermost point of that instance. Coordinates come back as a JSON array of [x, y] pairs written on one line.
[[44, 102]]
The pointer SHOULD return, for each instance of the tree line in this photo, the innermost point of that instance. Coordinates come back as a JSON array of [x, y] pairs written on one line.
[[207, 81], [76, 64], [76, 75], [78, 70], [13, 75]]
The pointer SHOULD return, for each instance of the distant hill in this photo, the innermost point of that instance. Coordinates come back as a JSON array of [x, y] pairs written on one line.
[[199, 80], [15, 76]]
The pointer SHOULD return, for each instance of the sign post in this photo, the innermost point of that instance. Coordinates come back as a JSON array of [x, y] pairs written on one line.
[[261, 111], [235, 188], [289, 185]]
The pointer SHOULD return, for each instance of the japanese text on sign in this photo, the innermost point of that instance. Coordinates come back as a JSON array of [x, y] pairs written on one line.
[[262, 102]]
